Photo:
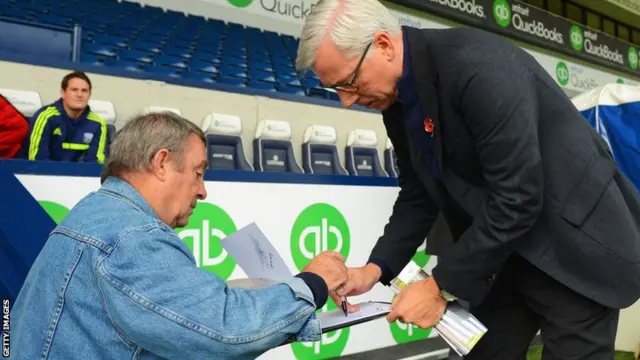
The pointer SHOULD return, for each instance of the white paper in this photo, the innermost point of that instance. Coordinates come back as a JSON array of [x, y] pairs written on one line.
[[331, 319], [255, 254]]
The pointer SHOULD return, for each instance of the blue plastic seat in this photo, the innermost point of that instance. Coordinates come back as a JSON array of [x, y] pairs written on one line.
[[234, 71], [262, 85], [136, 55], [164, 71], [230, 80], [111, 40], [361, 154], [91, 59], [145, 46], [177, 52], [171, 61], [294, 90], [125, 65], [200, 76], [259, 75], [203, 67], [98, 49]]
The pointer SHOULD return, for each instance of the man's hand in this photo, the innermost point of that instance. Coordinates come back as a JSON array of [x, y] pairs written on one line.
[[361, 280], [419, 304], [330, 267]]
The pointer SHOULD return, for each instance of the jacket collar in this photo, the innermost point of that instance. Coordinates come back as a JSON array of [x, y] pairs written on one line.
[[63, 112], [120, 188]]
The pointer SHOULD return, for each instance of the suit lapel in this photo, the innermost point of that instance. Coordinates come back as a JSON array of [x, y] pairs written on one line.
[[425, 77]]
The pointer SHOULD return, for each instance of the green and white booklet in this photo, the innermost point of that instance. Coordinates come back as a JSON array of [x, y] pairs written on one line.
[[458, 327]]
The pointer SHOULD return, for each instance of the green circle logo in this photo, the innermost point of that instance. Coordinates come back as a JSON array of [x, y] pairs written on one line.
[[633, 58], [619, 81], [207, 226], [56, 211], [330, 345], [320, 227], [502, 13], [576, 36], [240, 3], [562, 73], [403, 333]]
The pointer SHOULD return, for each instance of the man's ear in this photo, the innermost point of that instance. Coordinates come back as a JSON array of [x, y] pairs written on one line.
[[384, 43], [160, 163], [61, 92]]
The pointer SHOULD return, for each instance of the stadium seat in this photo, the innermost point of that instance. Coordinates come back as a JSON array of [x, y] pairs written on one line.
[[319, 151], [107, 112], [27, 102], [154, 108], [361, 154], [390, 165], [224, 142], [272, 148]]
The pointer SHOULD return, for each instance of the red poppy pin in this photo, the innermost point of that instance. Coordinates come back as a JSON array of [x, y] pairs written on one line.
[[429, 126]]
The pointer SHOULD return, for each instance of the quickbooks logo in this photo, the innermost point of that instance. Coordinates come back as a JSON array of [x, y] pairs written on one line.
[[240, 3], [56, 211], [502, 13], [207, 226], [320, 227], [602, 51], [633, 58], [297, 9], [562, 73], [577, 37], [467, 6], [403, 333], [518, 16], [575, 76]]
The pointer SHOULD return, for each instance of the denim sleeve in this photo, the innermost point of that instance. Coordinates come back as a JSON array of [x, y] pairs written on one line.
[[160, 301]]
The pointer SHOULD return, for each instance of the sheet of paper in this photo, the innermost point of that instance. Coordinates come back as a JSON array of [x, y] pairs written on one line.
[[336, 318], [255, 254]]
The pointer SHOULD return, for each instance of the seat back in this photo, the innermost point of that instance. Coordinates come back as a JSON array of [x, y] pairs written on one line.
[[272, 148], [224, 142], [107, 111], [27, 102], [361, 154], [390, 160], [319, 151], [155, 108]]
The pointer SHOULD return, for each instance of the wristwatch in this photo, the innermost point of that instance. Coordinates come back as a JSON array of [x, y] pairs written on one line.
[[447, 296]]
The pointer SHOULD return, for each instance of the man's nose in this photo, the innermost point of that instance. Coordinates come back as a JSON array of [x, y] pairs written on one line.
[[347, 99], [202, 192]]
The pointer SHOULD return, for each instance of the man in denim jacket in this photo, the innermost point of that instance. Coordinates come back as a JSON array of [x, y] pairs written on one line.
[[114, 281]]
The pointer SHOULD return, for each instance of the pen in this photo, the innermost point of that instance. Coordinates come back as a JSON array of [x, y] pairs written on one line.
[[344, 305]]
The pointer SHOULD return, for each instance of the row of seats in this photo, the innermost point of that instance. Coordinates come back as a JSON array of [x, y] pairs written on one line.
[[149, 40], [272, 144]]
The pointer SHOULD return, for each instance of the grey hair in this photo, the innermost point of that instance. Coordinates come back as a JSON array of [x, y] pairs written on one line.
[[350, 24], [142, 137]]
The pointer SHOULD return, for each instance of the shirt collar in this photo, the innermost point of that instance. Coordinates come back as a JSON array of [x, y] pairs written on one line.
[[405, 85]]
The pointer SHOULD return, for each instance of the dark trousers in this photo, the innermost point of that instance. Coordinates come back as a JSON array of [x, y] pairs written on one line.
[[524, 300]]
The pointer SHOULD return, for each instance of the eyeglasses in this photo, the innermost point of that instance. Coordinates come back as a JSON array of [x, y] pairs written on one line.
[[350, 86]]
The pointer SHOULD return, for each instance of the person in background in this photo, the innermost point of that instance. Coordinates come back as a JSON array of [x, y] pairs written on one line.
[[519, 197], [67, 130], [13, 129], [114, 280]]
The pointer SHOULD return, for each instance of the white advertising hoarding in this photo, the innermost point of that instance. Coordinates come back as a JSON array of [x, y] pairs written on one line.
[[300, 221]]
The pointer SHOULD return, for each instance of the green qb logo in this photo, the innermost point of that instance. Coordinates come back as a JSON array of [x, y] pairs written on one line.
[[319, 228], [240, 3], [576, 36], [502, 13], [633, 58], [207, 226], [562, 73], [56, 211]]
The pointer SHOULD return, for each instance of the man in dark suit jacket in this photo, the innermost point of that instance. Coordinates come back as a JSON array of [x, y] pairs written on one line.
[[532, 222]]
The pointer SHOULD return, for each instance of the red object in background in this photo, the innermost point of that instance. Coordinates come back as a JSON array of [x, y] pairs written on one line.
[[429, 126], [14, 127]]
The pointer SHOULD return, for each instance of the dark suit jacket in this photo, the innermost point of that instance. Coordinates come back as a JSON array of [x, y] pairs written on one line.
[[528, 172]]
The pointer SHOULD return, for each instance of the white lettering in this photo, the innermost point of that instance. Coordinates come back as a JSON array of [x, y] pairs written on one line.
[[223, 156], [603, 51], [537, 28], [300, 10], [519, 9], [468, 6]]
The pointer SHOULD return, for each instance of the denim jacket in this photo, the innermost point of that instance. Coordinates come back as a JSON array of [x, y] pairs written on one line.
[[115, 282]]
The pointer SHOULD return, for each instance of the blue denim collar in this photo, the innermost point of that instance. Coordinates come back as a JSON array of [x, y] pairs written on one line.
[[121, 188]]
